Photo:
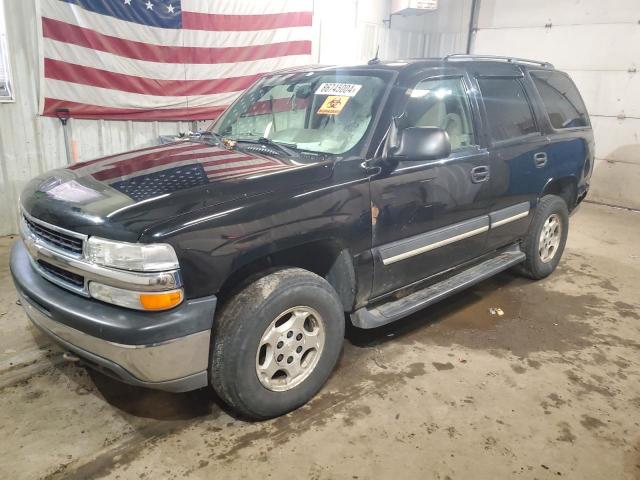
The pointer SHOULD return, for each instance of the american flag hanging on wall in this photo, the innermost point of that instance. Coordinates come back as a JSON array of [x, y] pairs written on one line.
[[165, 59]]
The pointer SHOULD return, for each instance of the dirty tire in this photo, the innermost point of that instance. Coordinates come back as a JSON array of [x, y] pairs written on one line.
[[239, 329], [548, 207]]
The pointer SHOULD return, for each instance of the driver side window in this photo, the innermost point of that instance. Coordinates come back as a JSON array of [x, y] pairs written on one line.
[[442, 103]]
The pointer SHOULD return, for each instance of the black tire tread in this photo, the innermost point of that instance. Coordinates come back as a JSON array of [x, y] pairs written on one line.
[[229, 323], [547, 205]]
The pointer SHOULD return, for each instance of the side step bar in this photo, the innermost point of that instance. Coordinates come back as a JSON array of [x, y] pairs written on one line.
[[394, 310]]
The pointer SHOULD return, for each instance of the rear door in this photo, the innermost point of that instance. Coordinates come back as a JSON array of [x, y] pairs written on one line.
[[429, 216], [518, 150], [565, 121]]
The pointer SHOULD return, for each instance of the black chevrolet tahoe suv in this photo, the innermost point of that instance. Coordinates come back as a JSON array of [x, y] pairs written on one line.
[[234, 257]]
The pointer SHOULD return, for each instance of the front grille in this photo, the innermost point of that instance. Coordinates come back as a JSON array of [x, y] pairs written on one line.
[[57, 272], [55, 238]]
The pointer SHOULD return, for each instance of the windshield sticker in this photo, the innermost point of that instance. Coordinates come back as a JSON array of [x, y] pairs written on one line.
[[333, 105], [342, 89]]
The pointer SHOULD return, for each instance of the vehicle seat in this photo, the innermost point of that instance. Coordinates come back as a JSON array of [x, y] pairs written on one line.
[[556, 120], [452, 124], [433, 117]]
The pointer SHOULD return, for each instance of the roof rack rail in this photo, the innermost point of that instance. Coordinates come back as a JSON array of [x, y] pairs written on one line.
[[464, 56]]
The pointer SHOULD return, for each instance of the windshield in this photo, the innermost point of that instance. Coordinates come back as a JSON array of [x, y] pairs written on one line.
[[314, 111]]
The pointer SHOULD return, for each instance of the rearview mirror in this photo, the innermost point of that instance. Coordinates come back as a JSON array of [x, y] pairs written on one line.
[[416, 144]]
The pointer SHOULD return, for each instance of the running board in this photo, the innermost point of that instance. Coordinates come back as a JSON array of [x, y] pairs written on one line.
[[394, 310]]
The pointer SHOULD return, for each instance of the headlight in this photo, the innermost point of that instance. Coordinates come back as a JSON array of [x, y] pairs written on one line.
[[139, 257], [152, 301]]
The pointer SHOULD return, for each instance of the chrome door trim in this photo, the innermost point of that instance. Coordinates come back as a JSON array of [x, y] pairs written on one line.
[[425, 242], [510, 219], [433, 246], [509, 214]]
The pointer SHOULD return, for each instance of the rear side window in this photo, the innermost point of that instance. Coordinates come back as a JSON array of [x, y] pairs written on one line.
[[561, 99], [508, 109]]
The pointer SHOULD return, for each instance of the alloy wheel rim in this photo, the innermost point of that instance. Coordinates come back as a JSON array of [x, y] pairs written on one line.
[[550, 236], [290, 348]]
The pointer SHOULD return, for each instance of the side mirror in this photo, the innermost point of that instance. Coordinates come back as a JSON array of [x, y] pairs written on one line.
[[416, 144]]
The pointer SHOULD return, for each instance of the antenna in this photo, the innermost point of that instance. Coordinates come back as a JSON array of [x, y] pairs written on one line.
[[375, 60]]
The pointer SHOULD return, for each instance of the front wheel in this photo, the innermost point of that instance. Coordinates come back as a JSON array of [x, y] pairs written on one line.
[[547, 237], [276, 343]]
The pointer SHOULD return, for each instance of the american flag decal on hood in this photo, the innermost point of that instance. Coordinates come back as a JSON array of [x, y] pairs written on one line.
[[165, 59], [164, 169]]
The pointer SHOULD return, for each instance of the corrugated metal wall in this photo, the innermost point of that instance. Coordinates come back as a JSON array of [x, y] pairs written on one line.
[[598, 44], [432, 34], [29, 144], [348, 31]]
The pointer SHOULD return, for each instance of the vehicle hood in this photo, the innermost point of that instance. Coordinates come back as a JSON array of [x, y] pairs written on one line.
[[120, 196]]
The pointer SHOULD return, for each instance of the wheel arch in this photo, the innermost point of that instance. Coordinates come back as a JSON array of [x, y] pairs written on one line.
[[329, 259], [564, 187]]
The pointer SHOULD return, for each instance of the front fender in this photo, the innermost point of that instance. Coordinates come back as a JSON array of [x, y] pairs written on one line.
[[212, 245]]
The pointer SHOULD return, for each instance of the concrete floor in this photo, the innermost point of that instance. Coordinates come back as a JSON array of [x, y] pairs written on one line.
[[550, 389]]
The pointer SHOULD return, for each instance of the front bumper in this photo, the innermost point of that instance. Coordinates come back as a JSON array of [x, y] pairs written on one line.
[[164, 350]]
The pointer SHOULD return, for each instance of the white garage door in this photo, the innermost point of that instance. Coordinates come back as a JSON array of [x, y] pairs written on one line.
[[598, 43]]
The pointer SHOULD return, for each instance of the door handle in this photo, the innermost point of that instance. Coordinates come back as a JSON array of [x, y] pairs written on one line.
[[540, 159], [480, 174]]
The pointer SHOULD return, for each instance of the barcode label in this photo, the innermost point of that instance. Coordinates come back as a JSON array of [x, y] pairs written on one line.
[[341, 89]]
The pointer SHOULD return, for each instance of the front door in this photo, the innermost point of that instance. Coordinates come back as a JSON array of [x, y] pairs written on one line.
[[429, 216]]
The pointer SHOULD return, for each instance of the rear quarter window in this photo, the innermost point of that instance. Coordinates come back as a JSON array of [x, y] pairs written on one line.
[[561, 99]]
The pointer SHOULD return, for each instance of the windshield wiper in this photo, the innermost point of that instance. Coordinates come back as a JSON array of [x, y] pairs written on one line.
[[210, 133], [286, 148]]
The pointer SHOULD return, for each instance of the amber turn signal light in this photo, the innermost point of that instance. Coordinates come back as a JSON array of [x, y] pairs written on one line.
[[160, 301]]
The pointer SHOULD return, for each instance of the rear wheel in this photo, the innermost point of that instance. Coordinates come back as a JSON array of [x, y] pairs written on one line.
[[547, 237], [276, 342]]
